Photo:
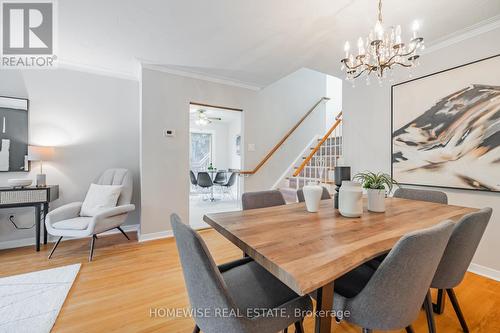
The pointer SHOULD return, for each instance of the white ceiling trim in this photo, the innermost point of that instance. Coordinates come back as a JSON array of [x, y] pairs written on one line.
[[464, 34], [97, 70], [204, 77]]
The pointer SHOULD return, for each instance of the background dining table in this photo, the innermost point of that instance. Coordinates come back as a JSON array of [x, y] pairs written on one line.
[[308, 251]]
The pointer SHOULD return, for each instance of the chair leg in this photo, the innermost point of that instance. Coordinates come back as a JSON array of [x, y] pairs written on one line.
[[123, 232], [428, 312], [299, 327], [55, 246], [439, 306], [91, 254], [409, 329], [458, 311], [196, 329], [285, 330], [367, 330]]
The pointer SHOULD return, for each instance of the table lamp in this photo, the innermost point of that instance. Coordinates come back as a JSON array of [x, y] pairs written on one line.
[[40, 154]]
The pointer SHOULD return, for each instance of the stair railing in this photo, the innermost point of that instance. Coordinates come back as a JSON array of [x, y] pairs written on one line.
[[280, 143], [323, 158]]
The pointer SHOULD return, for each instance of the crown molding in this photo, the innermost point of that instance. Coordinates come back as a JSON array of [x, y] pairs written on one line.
[[458, 36], [199, 76], [64, 64]]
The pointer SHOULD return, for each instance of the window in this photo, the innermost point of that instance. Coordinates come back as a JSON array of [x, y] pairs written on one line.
[[201, 151]]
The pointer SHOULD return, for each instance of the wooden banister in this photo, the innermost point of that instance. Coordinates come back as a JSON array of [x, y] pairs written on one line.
[[337, 122], [278, 145]]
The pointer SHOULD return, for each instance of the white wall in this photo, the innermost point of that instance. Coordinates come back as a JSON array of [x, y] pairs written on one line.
[[267, 115], [92, 120], [367, 130]]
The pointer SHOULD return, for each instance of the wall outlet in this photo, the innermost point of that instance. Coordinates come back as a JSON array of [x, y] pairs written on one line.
[[169, 133], [251, 147]]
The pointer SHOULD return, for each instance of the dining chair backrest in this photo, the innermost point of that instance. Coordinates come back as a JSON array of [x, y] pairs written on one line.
[[204, 179], [192, 178], [231, 180], [262, 199], [121, 177], [205, 285], [421, 195], [394, 295], [220, 177], [324, 196], [461, 248]]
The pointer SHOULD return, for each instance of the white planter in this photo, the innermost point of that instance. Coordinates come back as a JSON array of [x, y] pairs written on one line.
[[350, 199], [312, 196], [376, 200]]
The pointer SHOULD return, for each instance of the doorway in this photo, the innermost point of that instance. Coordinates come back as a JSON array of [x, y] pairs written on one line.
[[214, 161]]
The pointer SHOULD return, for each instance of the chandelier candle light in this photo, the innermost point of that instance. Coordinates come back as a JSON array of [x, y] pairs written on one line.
[[381, 50]]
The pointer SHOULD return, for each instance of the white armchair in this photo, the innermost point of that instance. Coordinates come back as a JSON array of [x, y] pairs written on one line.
[[66, 221]]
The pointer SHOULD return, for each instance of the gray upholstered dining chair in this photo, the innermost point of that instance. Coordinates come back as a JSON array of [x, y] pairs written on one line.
[[262, 199], [66, 221], [457, 257], [390, 297], [241, 287], [325, 195], [421, 195]]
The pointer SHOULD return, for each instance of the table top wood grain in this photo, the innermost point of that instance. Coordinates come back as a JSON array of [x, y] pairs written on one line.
[[309, 250]]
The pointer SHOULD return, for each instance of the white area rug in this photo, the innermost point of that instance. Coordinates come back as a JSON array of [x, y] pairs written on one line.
[[31, 302]]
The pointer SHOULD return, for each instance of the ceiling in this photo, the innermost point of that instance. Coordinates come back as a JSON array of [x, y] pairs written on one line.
[[252, 42]]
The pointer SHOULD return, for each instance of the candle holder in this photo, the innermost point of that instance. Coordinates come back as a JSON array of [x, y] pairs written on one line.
[[341, 173]]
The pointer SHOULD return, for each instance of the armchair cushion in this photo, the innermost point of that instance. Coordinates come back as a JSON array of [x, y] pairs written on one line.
[[77, 223], [99, 198]]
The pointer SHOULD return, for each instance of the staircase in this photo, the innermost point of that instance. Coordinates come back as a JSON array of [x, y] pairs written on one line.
[[318, 164]]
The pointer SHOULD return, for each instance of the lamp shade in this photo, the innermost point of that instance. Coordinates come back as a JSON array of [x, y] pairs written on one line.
[[40, 153]]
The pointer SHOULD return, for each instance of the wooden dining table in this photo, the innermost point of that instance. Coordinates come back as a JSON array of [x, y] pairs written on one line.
[[308, 251]]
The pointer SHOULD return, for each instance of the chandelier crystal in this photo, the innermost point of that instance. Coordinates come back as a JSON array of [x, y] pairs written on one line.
[[381, 50]]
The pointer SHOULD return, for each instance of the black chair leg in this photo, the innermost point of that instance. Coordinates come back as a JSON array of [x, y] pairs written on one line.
[[367, 330], [439, 306], [299, 327], [55, 246], [429, 314], [92, 242], [458, 311], [123, 232], [196, 329], [285, 330], [409, 329]]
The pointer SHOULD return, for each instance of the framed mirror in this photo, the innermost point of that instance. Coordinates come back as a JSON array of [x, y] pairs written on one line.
[[13, 134]]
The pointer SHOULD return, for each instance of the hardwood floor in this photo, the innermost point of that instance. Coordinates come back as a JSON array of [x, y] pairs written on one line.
[[127, 279]]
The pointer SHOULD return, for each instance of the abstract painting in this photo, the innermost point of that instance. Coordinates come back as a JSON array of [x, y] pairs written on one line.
[[446, 128]]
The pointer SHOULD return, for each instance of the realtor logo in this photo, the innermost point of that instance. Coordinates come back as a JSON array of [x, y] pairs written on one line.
[[27, 34]]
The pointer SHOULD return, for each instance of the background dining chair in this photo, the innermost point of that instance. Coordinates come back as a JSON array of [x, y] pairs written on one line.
[[205, 181], [390, 297], [324, 196], [226, 187], [421, 195], [262, 199], [65, 221], [193, 180], [457, 257], [237, 287], [220, 177]]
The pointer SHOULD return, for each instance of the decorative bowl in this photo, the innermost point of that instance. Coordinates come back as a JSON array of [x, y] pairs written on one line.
[[19, 182]]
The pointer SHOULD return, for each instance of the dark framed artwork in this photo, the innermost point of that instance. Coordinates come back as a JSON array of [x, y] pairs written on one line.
[[446, 128], [13, 134]]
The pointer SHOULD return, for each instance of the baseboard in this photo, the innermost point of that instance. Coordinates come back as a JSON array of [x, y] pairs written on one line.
[[166, 233], [485, 271], [31, 241]]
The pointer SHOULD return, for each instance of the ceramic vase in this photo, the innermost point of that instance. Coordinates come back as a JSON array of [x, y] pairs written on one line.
[[376, 200], [312, 195], [351, 199]]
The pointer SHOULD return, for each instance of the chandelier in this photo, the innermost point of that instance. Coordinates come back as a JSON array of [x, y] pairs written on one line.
[[381, 50]]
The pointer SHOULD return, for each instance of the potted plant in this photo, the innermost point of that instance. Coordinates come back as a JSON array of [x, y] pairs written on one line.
[[376, 185]]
